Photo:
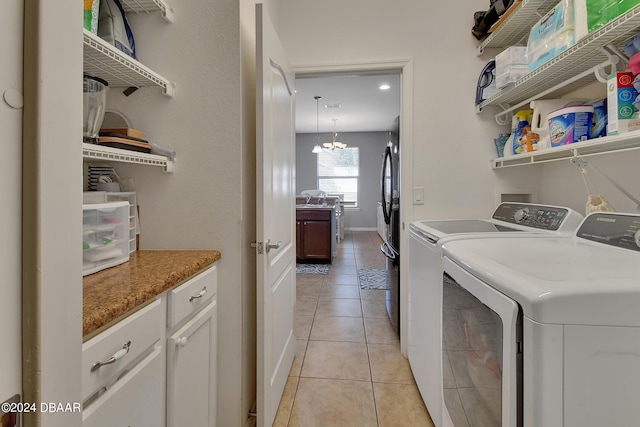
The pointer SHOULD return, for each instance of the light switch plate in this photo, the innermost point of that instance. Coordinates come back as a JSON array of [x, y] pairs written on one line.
[[418, 195]]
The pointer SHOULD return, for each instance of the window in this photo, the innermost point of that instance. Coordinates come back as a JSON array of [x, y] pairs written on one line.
[[338, 172]]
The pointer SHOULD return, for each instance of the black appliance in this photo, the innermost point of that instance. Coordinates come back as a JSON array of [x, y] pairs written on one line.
[[390, 195]]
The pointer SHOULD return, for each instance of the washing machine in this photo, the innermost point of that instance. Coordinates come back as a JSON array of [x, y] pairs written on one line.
[[544, 331], [424, 282]]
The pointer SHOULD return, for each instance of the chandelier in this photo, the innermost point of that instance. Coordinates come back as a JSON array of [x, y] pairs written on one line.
[[334, 143]]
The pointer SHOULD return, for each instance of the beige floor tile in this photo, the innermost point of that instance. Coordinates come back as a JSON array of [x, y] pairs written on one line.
[[301, 349], [374, 308], [400, 405], [343, 269], [388, 365], [302, 326], [379, 331], [371, 263], [336, 360], [309, 279], [308, 290], [306, 306], [339, 307], [341, 279], [345, 260], [286, 403], [335, 403], [331, 328], [373, 294], [340, 291]]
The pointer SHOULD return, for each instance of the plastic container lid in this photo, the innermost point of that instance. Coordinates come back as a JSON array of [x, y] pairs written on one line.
[[570, 110]]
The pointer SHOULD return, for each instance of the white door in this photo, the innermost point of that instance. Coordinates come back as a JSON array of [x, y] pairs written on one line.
[[275, 194], [10, 188]]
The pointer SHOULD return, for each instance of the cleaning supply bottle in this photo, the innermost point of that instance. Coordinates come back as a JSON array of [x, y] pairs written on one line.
[[522, 138]]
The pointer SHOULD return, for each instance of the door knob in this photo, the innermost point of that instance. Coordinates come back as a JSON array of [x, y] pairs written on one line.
[[273, 245]]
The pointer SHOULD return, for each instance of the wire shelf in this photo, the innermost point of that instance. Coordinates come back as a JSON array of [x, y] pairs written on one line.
[[99, 152], [608, 144], [118, 69], [585, 54], [517, 25], [148, 6]]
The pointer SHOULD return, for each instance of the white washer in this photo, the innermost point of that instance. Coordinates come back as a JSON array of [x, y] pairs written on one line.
[[566, 308], [424, 284]]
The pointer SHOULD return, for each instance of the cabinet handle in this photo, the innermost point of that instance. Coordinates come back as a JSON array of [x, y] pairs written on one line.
[[182, 341], [202, 293], [117, 356]]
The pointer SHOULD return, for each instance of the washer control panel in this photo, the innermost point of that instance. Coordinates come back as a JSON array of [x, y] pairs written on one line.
[[613, 229], [535, 216]]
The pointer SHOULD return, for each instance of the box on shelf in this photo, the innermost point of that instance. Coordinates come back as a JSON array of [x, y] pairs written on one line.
[[105, 235], [622, 115], [511, 65], [591, 15], [551, 35]]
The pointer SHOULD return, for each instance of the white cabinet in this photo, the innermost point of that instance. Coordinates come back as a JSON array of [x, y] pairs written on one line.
[[191, 371], [192, 351], [105, 356], [135, 400], [157, 366]]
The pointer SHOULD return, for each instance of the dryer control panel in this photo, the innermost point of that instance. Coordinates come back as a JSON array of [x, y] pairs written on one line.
[[613, 229], [530, 215]]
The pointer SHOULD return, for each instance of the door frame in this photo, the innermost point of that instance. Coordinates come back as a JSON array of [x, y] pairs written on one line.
[[405, 68]]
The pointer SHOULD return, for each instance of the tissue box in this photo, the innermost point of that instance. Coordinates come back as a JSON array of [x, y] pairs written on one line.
[[622, 116]]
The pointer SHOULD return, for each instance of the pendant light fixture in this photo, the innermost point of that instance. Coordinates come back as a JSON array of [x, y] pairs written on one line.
[[317, 148], [334, 144]]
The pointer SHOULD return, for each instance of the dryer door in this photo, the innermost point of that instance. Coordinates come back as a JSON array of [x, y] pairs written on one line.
[[481, 352]]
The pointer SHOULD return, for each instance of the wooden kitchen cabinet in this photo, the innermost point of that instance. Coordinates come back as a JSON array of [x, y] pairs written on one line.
[[313, 235]]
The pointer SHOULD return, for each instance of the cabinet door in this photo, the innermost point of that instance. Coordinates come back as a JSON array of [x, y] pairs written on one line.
[[191, 371], [299, 241], [135, 400], [316, 238]]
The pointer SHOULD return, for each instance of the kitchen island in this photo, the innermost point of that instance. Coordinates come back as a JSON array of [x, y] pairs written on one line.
[[315, 232]]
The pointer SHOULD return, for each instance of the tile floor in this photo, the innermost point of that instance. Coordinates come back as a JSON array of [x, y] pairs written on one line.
[[348, 370]]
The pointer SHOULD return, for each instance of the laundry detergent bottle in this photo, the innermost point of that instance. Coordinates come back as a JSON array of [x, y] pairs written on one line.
[[523, 140]]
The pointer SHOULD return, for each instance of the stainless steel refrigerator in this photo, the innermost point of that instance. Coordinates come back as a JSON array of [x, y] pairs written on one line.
[[390, 197]]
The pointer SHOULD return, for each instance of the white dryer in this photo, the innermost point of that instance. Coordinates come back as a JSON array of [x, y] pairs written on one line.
[[544, 331], [424, 283]]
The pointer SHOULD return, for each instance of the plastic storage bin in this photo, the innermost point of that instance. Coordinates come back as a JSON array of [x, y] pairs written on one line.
[[112, 196], [105, 235], [511, 65]]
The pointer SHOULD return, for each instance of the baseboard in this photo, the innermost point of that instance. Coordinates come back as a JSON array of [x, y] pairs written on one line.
[[361, 229]]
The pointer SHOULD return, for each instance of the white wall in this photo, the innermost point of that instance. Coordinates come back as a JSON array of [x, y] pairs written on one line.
[[452, 145], [202, 205]]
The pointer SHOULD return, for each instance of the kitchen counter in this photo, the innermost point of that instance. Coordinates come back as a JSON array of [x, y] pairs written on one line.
[[117, 291]]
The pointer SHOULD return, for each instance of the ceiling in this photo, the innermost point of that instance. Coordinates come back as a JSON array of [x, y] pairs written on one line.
[[354, 100]]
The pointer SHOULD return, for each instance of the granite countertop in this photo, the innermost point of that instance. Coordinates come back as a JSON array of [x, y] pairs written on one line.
[[110, 294], [315, 207]]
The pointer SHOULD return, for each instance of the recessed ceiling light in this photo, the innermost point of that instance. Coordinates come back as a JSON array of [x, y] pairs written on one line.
[[384, 87]]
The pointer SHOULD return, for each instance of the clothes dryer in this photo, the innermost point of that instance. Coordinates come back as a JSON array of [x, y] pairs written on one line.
[[424, 283], [544, 331]]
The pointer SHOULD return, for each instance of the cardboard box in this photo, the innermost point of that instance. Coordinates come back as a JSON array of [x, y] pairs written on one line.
[[622, 116]]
